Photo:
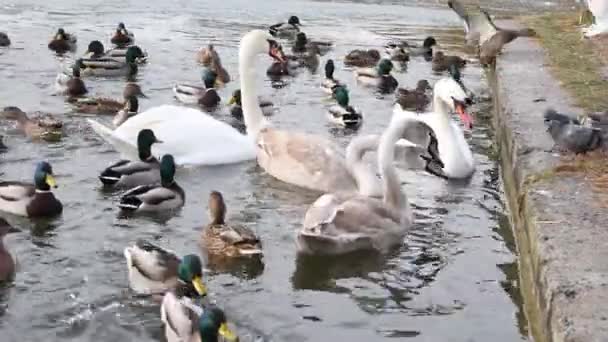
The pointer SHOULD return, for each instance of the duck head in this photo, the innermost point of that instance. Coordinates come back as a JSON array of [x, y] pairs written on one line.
[[429, 42], [121, 26], [341, 94], [95, 48], [132, 105], [60, 35], [133, 89], [43, 177], [451, 94], [258, 42], [14, 113], [294, 20], [167, 170], [236, 98], [423, 85], [385, 67], [301, 41], [213, 324], [329, 69], [145, 140], [133, 53], [209, 77], [217, 208], [190, 271]]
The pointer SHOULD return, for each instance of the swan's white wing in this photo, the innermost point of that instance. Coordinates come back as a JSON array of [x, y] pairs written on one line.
[[191, 136]]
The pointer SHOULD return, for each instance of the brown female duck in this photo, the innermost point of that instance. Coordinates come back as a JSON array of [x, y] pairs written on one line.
[[108, 106], [362, 58], [221, 239], [415, 99], [121, 36], [442, 62], [42, 127], [62, 42], [71, 86]]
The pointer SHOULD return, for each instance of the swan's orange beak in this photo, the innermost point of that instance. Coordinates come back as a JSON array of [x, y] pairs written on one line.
[[276, 52], [464, 116]]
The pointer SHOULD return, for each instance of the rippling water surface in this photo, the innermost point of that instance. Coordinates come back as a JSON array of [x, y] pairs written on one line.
[[454, 278]]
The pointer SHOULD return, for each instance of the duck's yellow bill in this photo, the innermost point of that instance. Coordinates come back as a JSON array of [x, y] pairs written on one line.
[[226, 333], [50, 181], [232, 100], [197, 282]]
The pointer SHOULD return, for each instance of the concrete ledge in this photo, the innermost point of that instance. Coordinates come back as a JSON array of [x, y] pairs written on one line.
[[561, 234]]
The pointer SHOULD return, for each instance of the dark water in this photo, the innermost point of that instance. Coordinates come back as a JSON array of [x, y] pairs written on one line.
[[454, 279]]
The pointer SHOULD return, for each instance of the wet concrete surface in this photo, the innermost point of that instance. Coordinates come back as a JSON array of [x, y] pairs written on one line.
[[560, 229]]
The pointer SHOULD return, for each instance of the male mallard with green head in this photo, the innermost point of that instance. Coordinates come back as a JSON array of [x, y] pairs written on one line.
[[185, 321], [380, 77], [329, 84], [222, 239], [4, 40], [155, 270], [127, 173], [121, 36], [71, 86], [343, 113], [167, 195], [44, 127], [7, 263], [415, 99], [362, 58], [237, 108], [31, 200], [286, 30], [112, 67], [206, 97], [62, 42], [442, 62]]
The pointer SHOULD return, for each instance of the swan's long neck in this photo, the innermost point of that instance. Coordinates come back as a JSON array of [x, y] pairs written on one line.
[[361, 171], [252, 113], [386, 151]]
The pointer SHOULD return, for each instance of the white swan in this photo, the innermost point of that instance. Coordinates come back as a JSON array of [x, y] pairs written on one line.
[[454, 151], [340, 223]]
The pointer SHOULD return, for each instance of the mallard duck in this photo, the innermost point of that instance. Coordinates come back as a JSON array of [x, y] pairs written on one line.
[[71, 86], [283, 64], [380, 77], [442, 62], [112, 67], [121, 52], [31, 200], [185, 321], [133, 89], [155, 270], [396, 52], [131, 109], [426, 49], [63, 42], [206, 97], [362, 58], [121, 36], [481, 31], [95, 50], [4, 40], [127, 173], [343, 114], [167, 195], [415, 99], [108, 106], [237, 108], [303, 44], [286, 30], [221, 239], [329, 84], [42, 127], [7, 263]]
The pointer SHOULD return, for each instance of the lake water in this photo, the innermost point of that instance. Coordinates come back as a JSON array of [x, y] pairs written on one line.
[[454, 279]]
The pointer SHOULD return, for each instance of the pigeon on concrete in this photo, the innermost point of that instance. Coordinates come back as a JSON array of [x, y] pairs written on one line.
[[575, 138], [552, 115]]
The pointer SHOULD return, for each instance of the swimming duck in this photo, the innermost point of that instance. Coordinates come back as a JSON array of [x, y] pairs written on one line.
[[206, 97], [415, 99], [221, 239], [31, 200], [7, 263], [343, 114], [425, 50], [286, 30], [303, 43], [4, 40], [108, 106], [442, 62], [380, 77], [362, 58], [62, 42], [330, 84], [95, 50], [71, 86], [121, 36], [155, 270], [237, 108], [167, 195], [111, 67], [184, 321], [132, 88], [131, 109], [397, 53], [119, 53], [42, 127], [127, 173]]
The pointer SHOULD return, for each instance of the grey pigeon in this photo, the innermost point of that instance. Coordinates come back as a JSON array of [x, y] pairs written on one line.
[[573, 137], [552, 115]]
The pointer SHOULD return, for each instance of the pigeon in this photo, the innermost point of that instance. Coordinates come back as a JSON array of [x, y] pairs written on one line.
[[574, 137]]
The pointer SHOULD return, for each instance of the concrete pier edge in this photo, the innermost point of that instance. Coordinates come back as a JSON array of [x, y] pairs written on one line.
[[561, 234]]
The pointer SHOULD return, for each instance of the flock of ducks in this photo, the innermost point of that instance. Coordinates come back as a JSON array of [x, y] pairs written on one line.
[[357, 209]]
